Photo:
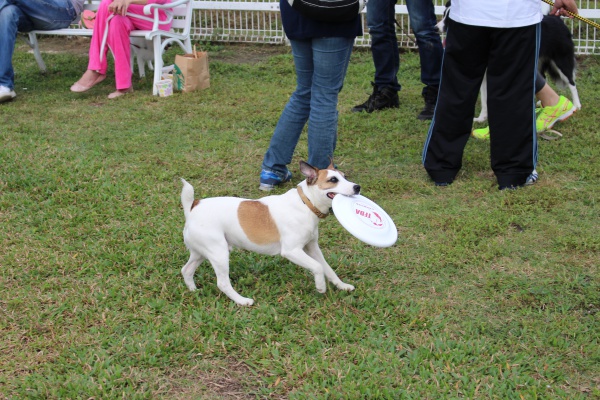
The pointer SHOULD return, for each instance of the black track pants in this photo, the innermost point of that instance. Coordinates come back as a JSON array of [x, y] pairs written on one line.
[[509, 55]]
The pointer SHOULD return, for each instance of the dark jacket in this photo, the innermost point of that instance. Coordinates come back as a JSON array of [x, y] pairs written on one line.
[[298, 27]]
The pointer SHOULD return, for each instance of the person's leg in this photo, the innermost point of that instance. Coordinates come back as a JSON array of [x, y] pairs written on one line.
[[47, 14], [381, 19], [330, 59], [422, 18], [422, 21], [12, 20], [511, 77], [547, 96], [119, 43], [97, 63], [119, 28], [294, 115], [463, 67], [555, 108]]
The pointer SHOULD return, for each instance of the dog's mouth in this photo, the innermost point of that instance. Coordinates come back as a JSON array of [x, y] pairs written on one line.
[[331, 195]]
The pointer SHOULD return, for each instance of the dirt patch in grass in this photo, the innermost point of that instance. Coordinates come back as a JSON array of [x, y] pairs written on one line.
[[239, 53], [228, 382]]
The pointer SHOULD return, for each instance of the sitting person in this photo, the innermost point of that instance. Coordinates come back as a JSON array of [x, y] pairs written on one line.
[[25, 16], [112, 15]]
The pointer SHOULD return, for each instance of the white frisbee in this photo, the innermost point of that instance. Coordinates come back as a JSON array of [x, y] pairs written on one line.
[[365, 220]]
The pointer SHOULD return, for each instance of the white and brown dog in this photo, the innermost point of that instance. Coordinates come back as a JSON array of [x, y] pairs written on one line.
[[284, 224]]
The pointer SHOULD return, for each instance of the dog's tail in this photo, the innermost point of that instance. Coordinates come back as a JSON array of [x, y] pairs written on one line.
[[187, 198]]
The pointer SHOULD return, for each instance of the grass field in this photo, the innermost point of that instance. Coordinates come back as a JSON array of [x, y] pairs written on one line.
[[486, 295]]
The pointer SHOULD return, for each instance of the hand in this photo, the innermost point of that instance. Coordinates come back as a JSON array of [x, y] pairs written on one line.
[[562, 6], [119, 7]]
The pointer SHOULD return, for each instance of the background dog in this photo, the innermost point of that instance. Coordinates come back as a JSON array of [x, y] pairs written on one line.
[[284, 224], [556, 58]]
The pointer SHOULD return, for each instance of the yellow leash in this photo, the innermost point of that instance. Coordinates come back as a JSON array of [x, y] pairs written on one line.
[[577, 16]]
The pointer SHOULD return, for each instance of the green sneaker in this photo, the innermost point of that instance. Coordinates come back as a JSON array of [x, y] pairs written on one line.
[[482, 133], [552, 114]]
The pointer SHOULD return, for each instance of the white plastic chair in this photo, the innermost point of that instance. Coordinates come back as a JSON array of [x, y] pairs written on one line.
[[181, 18]]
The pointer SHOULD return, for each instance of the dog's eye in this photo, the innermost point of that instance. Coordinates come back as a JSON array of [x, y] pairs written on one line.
[[334, 179]]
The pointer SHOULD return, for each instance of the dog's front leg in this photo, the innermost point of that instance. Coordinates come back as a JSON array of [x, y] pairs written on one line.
[[313, 250], [299, 257]]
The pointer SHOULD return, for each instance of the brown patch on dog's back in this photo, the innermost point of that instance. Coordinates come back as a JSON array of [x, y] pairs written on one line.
[[257, 223], [194, 204]]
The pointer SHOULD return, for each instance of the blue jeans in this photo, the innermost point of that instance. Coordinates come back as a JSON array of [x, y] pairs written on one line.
[[321, 65], [25, 16], [384, 43]]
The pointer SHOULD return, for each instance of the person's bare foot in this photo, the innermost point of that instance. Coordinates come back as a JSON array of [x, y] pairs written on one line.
[[120, 92], [87, 81]]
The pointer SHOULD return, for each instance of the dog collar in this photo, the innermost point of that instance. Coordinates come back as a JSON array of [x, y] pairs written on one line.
[[310, 205]]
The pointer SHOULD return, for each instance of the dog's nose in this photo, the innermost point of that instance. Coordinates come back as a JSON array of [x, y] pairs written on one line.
[[356, 189]]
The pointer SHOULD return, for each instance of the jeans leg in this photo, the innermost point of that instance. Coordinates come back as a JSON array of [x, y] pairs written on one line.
[[47, 14], [294, 115], [12, 20], [422, 18], [331, 58], [384, 43]]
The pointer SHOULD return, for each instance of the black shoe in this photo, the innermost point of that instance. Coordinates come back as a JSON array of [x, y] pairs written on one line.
[[430, 95], [381, 99]]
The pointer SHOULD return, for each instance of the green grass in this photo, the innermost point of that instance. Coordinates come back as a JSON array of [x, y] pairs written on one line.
[[486, 294]]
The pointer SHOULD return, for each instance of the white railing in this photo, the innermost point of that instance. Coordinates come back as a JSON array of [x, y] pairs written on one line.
[[258, 21]]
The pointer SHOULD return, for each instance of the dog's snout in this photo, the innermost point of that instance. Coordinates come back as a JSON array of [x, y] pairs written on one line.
[[356, 189]]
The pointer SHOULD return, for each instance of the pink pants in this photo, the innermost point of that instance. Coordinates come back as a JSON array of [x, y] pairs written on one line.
[[117, 40]]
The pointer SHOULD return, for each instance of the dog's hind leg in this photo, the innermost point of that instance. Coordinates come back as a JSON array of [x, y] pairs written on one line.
[[189, 268], [483, 114], [313, 250], [563, 71], [575, 96], [220, 263]]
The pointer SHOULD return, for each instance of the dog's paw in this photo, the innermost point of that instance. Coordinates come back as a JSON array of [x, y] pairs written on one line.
[[192, 287], [244, 301], [320, 283], [480, 119], [345, 286]]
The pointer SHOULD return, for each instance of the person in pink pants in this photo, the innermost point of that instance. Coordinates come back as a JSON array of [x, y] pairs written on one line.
[[119, 26]]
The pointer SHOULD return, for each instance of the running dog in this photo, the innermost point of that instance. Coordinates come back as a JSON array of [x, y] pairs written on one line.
[[284, 224], [556, 58]]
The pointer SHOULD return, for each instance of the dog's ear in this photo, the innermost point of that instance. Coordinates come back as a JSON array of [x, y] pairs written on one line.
[[331, 164], [309, 172]]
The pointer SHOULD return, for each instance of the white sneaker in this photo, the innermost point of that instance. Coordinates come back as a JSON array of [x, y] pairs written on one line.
[[532, 178], [6, 94]]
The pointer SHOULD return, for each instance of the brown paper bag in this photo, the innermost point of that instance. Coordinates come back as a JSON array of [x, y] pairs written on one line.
[[191, 71]]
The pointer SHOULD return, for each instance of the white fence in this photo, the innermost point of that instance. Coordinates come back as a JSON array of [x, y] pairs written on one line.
[[258, 21]]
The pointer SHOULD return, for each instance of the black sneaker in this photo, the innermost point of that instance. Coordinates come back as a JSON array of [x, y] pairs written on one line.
[[381, 99], [430, 95]]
